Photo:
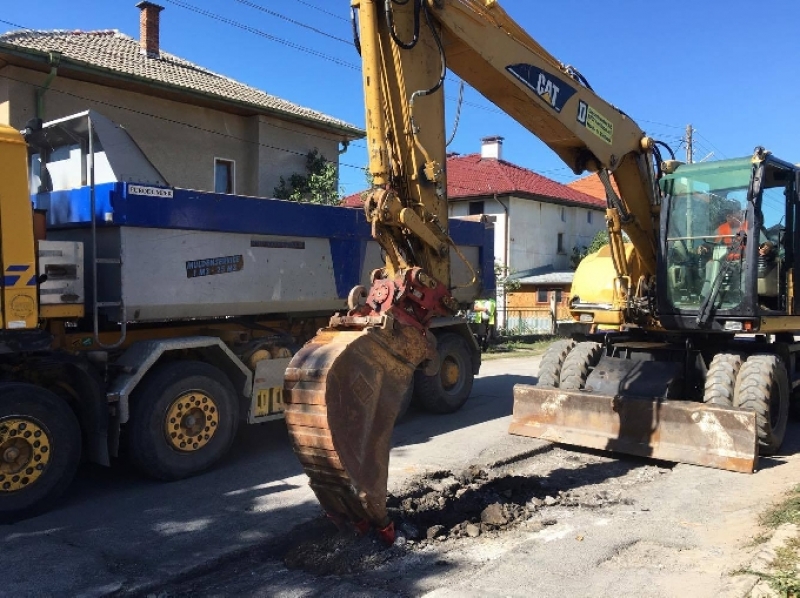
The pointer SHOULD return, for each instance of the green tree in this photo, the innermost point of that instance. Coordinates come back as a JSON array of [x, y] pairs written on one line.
[[318, 185]]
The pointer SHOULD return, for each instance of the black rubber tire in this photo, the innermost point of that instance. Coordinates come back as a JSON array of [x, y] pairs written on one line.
[[552, 362], [431, 392], [762, 386], [578, 364], [721, 379], [55, 416], [148, 447]]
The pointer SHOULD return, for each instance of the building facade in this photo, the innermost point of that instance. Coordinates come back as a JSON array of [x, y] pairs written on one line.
[[538, 221], [201, 130]]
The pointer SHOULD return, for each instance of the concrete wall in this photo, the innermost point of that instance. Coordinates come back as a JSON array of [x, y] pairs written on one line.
[[534, 228], [181, 140]]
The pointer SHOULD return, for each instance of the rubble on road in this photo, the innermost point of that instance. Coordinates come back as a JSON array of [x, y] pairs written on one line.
[[475, 504]]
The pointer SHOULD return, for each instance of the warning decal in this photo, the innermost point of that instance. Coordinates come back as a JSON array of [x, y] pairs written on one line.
[[596, 123]]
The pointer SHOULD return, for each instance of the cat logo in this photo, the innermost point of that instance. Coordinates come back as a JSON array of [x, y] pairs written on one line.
[[549, 88]]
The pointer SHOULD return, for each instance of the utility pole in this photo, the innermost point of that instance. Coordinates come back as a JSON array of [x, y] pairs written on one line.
[[689, 146]]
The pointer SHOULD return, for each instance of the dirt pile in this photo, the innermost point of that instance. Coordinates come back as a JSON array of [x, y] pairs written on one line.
[[445, 506]]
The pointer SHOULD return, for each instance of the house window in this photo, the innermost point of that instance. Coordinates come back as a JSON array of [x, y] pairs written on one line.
[[557, 293], [563, 214], [589, 216], [541, 296], [560, 243], [476, 208], [224, 173]]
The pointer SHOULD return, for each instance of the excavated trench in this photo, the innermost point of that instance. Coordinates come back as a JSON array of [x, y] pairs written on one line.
[[447, 506]]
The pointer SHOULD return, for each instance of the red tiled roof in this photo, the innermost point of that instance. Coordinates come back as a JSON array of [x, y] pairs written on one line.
[[591, 185], [470, 176]]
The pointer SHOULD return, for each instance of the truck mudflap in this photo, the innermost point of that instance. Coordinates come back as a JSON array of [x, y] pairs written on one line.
[[343, 392], [670, 430]]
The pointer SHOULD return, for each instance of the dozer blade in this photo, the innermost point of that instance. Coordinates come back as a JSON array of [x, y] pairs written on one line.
[[679, 431], [343, 394]]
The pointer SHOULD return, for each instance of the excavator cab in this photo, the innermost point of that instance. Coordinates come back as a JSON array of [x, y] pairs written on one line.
[[724, 260]]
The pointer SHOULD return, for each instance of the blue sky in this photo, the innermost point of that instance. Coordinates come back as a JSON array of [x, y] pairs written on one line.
[[727, 67]]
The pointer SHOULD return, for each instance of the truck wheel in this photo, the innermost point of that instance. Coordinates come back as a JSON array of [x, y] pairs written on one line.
[[578, 364], [448, 390], [552, 362], [721, 379], [762, 386], [40, 449], [184, 417]]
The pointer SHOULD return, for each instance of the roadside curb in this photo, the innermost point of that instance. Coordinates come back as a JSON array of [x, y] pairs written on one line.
[[752, 585]]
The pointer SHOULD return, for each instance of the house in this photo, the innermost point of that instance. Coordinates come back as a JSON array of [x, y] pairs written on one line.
[[200, 129], [537, 221]]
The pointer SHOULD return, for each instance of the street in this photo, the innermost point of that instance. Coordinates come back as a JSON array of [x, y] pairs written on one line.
[[602, 526]]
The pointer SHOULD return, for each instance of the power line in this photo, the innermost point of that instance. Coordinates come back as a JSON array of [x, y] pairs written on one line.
[[292, 21], [264, 34], [322, 10]]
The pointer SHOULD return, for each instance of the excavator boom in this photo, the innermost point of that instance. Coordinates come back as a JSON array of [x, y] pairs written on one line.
[[344, 389]]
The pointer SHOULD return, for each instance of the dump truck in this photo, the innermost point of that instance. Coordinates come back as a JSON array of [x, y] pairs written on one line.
[[690, 356], [145, 319]]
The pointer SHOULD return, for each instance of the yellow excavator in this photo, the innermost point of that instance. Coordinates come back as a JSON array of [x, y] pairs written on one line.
[[690, 310]]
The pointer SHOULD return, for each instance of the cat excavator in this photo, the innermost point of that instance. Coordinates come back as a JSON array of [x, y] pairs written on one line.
[[689, 353]]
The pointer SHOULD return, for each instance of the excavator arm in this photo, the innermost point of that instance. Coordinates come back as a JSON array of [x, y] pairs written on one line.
[[344, 388]]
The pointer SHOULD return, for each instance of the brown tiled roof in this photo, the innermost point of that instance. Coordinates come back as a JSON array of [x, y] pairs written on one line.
[[473, 176], [111, 50]]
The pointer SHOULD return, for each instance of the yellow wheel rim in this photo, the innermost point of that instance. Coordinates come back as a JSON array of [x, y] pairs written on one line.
[[191, 422], [24, 453], [449, 373]]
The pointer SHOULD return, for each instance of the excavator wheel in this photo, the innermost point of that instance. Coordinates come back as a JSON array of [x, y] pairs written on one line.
[[343, 391], [762, 386], [552, 363], [721, 379], [578, 364]]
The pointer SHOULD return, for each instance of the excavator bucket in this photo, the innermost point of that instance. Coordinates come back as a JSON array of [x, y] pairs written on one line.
[[343, 394], [679, 431]]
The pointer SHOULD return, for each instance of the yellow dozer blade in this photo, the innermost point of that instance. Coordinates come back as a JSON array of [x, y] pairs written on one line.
[[680, 431]]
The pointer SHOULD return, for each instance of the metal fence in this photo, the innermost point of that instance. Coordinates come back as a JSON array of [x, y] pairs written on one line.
[[528, 321]]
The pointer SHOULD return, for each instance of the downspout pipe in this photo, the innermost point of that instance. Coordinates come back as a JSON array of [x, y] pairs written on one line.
[[54, 58], [506, 251]]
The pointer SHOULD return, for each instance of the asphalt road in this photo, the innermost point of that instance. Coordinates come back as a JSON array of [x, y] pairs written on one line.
[[670, 530], [118, 532]]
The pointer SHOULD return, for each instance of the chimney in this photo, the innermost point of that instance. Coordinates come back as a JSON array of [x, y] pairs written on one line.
[[148, 28], [492, 148]]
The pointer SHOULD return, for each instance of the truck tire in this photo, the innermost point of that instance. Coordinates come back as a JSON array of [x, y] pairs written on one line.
[[552, 362], [447, 390], [184, 417], [578, 364], [721, 379], [40, 449], [762, 386]]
